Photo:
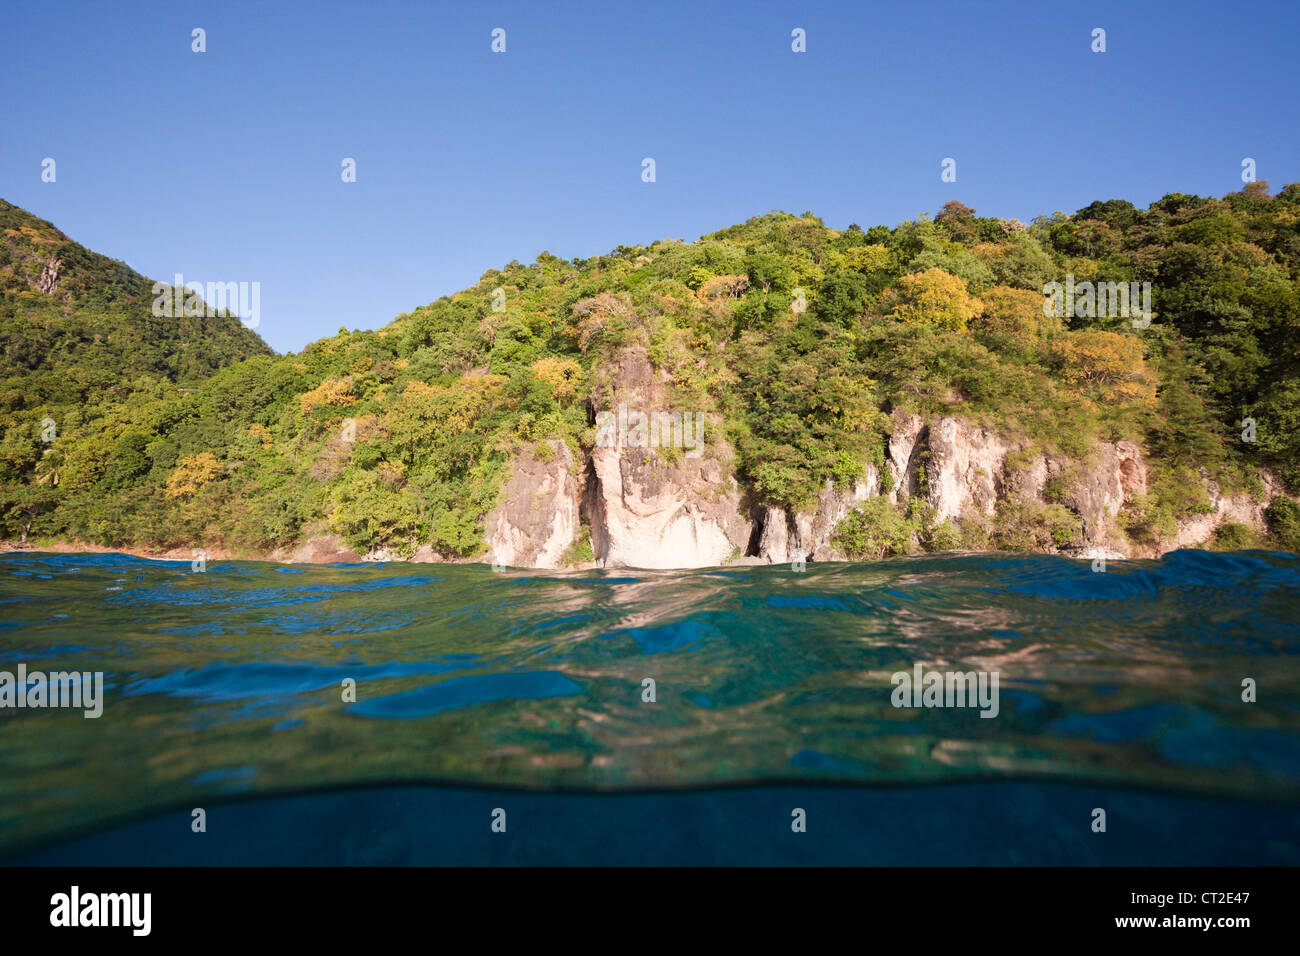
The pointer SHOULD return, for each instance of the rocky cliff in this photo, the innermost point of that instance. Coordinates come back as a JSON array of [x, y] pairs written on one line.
[[537, 522], [653, 507]]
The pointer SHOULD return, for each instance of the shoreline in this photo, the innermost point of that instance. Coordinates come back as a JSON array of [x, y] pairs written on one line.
[[330, 550], [315, 551], [65, 547]]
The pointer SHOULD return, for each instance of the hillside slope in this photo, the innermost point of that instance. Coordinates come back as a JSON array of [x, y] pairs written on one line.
[[72, 320], [854, 394], [78, 343]]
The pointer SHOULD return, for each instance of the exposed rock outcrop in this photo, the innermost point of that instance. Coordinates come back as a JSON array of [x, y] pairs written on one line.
[[648, 514], [777, 539], [1240, 508], [809, 533], [666, 506], [1101, 487], [906, 443], [48, 281], [968, 469], [964, 471], [656, 507], [325, 549], [537, 521], [833, 506]]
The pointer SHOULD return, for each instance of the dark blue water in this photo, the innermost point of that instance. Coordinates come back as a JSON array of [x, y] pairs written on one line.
[[523, 691]]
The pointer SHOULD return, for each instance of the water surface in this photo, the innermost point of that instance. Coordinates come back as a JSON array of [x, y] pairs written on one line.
[[229, 682]]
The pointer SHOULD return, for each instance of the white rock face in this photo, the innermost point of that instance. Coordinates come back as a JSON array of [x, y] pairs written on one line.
[[661, 507], [1132, 469], [775, 546], [904, 446], [646, 514], [537, 521], [648, 508], [833, 506], [965, 468]]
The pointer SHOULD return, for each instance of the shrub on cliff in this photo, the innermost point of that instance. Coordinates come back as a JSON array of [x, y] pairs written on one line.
[[1284, 523], [874, 530]]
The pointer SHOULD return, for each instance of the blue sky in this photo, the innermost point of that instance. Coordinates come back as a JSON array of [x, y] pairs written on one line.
[[225, 165]]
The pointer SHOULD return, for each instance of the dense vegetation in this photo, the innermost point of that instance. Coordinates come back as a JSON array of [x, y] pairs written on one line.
[[804, 338]]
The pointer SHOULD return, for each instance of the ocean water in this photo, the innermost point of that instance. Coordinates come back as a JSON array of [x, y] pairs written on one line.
[[524, 692]]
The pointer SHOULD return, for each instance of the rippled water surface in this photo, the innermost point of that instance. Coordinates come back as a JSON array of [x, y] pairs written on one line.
[[229, 681]]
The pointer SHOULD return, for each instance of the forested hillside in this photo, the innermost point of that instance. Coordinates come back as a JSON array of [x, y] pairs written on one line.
[[74, 322], [79, 346], [803, 339]]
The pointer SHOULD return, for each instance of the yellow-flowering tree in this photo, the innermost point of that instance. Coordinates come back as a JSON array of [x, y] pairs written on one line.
[[1108, 365], [561, 375], [332, 391], [1015, 313], [936, 297], [191, 473]]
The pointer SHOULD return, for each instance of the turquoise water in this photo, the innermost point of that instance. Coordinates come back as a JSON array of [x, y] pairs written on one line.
[[225, 689]]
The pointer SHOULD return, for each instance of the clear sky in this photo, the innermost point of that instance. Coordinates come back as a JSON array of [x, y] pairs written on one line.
[[225, 165]]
